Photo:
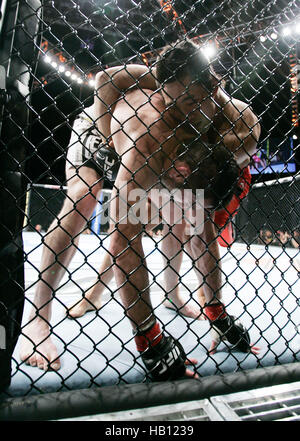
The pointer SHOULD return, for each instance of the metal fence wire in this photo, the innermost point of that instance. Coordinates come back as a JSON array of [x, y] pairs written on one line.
[[149, 210]]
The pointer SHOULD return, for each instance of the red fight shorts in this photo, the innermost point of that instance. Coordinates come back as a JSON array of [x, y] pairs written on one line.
[[222, 216]]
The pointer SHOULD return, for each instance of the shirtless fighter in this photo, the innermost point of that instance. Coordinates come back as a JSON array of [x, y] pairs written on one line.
[[198, 105], [147, 130]]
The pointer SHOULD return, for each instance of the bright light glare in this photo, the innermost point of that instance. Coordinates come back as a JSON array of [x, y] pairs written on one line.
[[286, 31], [262, 38], [274, 36], [47, 59], [61, 68], [92, 83], [209, 50], [68, 73]]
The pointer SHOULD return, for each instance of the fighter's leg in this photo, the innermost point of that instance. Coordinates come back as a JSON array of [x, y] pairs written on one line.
[[198, 295], [172, 254], [59, 247], [92, 299], [207, 259]]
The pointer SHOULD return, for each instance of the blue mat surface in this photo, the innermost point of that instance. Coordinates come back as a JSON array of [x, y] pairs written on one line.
[[97, 350]]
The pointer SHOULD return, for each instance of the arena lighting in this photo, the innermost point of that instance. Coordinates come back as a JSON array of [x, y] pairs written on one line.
[[290, 29], [62, 70], [273, 36], [209, 50], [286, 31]]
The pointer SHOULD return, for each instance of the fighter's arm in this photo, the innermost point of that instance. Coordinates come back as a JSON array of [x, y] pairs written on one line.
[[110, 85], [244, 139], [242, 136]]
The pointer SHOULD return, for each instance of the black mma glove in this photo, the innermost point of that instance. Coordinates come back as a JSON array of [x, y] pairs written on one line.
[[232, 330], [165, 361], [108, 162]]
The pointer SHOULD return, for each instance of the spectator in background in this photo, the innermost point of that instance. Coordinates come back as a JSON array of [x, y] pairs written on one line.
[[283, 238], [266, 237], [295, 239]]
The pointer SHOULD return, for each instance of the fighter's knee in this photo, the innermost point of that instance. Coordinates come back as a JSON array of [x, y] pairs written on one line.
[[117, 250], [81, 192]]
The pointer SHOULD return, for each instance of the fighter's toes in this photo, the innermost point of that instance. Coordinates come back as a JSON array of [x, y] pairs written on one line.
[[42, 364], [213, 347], [255, 350], [189, 311], [31, 361]]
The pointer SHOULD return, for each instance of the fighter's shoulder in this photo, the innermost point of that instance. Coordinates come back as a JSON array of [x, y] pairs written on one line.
[[245, 112]]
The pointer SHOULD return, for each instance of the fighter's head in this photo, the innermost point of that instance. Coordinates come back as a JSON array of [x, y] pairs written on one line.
[[184, 59], [205, 166], [188, 83]]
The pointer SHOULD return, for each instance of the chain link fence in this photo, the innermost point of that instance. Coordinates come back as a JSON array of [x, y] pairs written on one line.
[[149, 190]]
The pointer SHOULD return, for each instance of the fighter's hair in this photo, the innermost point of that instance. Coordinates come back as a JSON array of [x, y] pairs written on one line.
[[185, 58]]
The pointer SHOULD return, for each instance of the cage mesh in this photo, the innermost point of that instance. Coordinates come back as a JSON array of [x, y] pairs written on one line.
[[57, 224]]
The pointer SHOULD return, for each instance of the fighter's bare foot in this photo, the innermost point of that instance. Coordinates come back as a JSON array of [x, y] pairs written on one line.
[[184, 308], [83, 306], [37, 348]]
